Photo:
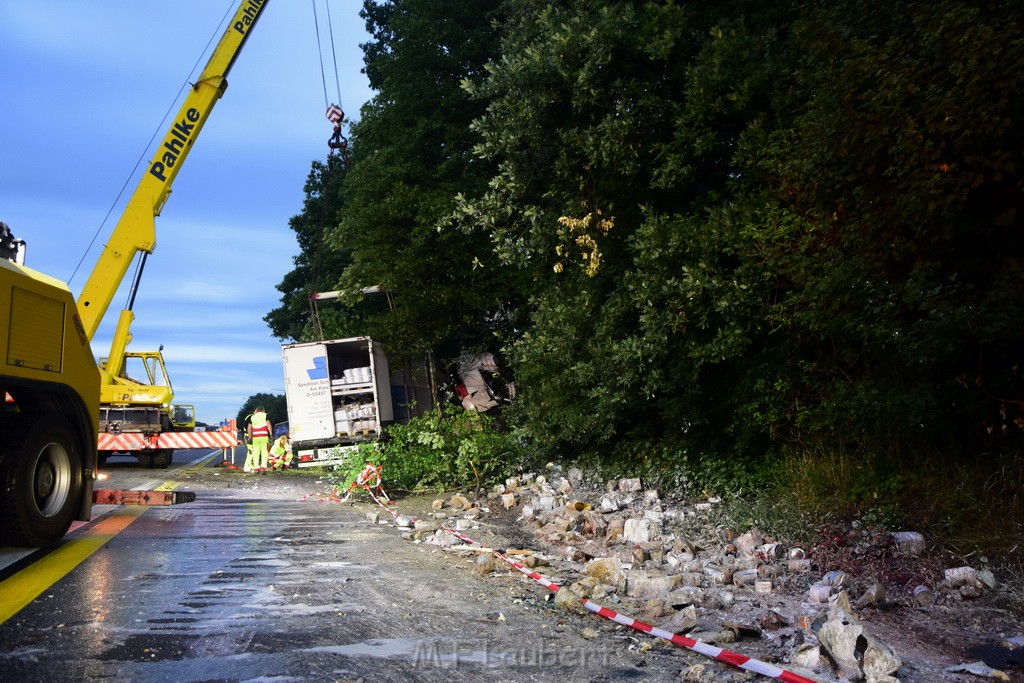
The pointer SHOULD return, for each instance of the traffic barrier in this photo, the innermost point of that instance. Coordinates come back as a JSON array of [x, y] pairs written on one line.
[[717, 653], [136, 497], [370, 479], [131, 441]]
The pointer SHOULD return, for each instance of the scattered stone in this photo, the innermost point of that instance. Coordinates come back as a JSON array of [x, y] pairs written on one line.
[[594, 523], [616, 527], [874, 594], [856, 652], [575, 476], [630, 485], [442, 538], [373, 517], [545, 503], [687, 595], [459, 502], [607, 570], [748, 542], [638, 530], [807, 656], [642, 585], [569, 601], [684, 620], [971, 591], [485, 564], [836, 579], [986, 577], [652, 571], [771, 620], [404, 521], [979, 669], [698, 673], [909, 542]]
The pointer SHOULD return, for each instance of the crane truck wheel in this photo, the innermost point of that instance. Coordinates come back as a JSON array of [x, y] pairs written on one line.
[[161, 459], [41, 479]]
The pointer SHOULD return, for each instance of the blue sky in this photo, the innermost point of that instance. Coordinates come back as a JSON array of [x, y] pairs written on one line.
[[86, 85]]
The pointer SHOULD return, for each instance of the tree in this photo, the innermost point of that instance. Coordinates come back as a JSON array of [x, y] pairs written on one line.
[[411, 158], [614, 127], [316, 267], [274, 404], [902, 167]]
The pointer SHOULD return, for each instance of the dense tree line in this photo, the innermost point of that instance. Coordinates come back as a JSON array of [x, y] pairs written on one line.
[[694, 230]]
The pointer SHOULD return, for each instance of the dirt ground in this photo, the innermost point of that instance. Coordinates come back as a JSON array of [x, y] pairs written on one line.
[[953, 631]]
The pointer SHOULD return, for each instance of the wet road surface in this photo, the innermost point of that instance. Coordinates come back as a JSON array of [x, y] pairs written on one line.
[[249, 583]]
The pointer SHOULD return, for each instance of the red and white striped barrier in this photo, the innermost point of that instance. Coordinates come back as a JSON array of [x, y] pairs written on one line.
[[717, 653], [175, 440]]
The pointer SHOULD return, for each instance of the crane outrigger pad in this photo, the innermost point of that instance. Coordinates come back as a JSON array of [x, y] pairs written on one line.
[[133, 497]]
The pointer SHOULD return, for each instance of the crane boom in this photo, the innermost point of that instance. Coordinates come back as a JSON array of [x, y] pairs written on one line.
[[136, 230]]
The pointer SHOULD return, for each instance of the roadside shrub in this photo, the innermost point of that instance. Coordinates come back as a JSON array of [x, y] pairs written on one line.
[[455, 449]]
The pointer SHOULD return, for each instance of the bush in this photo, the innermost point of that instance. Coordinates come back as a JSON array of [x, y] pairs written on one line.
[[457, 449]]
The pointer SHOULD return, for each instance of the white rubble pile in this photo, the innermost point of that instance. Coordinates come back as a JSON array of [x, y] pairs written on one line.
[[626, 550], [625, 547]]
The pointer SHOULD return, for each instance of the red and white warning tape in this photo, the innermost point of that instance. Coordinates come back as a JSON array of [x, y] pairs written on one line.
[[734, 658], [722, 655]]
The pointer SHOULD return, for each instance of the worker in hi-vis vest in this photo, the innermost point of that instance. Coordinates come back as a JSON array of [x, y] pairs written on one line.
[[281, 453], [248, 446], [259, 431]]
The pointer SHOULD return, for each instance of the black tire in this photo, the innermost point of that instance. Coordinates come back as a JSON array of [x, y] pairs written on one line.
[[161, 459], [101, 458], [145, 459], [40, 479]]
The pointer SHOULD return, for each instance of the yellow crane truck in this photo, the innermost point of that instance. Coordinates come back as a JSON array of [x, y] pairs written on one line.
[[50, 381]]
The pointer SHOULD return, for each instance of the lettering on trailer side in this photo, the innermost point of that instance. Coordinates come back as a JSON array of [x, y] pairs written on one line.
[[175, 143], [249, 16]]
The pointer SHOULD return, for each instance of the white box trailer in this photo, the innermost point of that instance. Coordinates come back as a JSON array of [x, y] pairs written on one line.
[[342, 392]]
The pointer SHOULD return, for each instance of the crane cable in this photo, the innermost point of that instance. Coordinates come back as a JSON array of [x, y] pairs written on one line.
[[320, 53], [337, 142]]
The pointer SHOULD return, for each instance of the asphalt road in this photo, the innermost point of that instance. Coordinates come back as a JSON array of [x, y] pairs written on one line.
[[259, 580]]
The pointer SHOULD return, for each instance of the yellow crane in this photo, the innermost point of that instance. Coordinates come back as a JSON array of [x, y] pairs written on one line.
[[50, 381]]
